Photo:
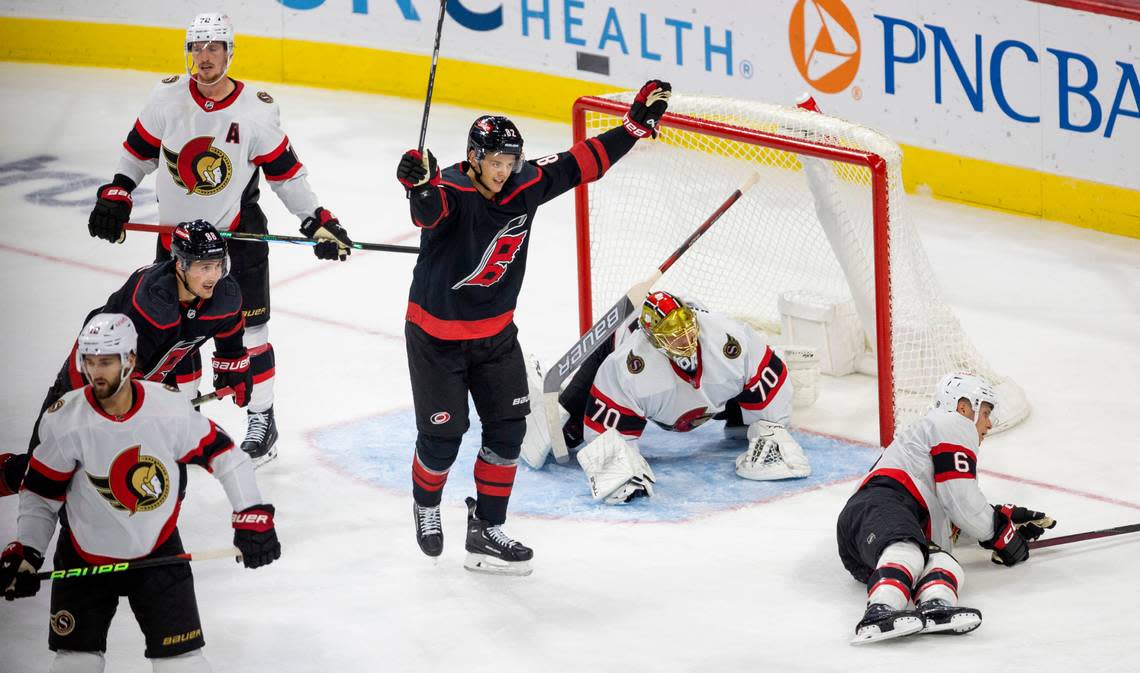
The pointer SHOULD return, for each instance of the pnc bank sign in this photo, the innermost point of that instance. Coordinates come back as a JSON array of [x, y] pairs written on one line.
[[1092, 96]]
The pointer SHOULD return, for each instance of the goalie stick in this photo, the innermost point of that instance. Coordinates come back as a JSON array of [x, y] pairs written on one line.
[[120, 566], [275, 238], [1081, 537], [611, 320]]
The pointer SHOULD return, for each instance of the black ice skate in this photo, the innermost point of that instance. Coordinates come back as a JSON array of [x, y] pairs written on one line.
[[939, 616], [260, 442], [881, 622], [489, 550], [429, 531]]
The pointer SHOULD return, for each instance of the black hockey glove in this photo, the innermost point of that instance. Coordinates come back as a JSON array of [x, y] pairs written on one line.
[[255, 536], [332, 240], [18, 566], [13, 466], [417, 169], [1009, 545], [232, 371], [112, 209], [648, 106]]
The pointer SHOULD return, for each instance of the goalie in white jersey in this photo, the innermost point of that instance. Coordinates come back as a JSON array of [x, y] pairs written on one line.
[[205, 136], [111, 468], [682, 367], [896, 531]]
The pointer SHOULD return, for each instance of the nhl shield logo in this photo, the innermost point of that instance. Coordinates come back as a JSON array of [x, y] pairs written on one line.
[[135, 483], [199, 167]]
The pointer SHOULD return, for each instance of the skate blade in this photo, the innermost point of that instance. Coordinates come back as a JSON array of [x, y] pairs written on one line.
[[958, 625], [903, 626], [489, 565], [262, 460]]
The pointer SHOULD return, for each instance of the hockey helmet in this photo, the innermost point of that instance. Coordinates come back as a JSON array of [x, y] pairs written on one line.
[[107, 334], [491, 134], [670, 324], [198, 241], [962, 385], [206, 28]]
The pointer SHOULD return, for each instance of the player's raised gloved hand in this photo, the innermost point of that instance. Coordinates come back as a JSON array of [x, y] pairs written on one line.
[[232, 371], [12, 469], [648, 106], [1008, 543], [332, 240], [18, 566], [112, 209], [417, 169], [255, 537]]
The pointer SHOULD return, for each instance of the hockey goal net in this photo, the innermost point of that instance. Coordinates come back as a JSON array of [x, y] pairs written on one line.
[[827, 219]]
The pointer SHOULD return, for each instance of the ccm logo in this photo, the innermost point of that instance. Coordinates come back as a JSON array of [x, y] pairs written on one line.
[[440, 417], [251, 518]]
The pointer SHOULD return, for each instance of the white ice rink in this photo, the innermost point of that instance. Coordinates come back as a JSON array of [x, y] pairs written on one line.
[[756, 587]]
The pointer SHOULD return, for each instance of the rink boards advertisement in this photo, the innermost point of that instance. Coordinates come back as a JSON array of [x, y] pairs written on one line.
[[1018, 105]]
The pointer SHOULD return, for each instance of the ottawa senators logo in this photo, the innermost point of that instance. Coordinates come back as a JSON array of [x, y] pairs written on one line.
[[634, 364], [199, 167], [62, 622], [55, 406], [732, 348], [136, 483], [170, 80], [264, 97]]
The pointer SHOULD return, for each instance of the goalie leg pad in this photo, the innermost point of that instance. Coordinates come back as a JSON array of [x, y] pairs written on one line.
[[536, 441], [772, 454], [615, 469]]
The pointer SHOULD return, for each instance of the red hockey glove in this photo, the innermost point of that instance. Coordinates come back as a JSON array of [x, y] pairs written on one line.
[[648, 106], [255, 536], [232, 371]]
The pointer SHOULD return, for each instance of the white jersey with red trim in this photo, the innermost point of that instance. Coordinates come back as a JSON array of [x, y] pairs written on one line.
[[207, 152], [123, 478], [639, 383], [936, 460]]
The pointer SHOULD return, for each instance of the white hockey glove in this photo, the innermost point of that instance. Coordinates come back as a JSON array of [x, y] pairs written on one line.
[[615, 469], [536, 442], [772, 454]]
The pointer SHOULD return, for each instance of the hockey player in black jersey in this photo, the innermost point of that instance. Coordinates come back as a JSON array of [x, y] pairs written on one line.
[[475, 219], [175, 306]]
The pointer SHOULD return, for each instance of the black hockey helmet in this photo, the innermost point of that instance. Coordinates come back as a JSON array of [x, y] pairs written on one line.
[[196, 241], [492, 134]]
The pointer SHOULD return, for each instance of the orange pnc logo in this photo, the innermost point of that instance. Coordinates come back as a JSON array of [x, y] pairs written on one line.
[[825, 43]]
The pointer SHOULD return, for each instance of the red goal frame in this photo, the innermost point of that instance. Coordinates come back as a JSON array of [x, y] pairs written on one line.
[[880, 210]]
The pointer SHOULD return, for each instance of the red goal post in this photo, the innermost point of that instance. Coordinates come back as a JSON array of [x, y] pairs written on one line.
[[697, 130]]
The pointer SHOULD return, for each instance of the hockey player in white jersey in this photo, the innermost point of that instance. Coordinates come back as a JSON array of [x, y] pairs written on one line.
[[680, 368], [206, 135], [115, 454], [896, 532]]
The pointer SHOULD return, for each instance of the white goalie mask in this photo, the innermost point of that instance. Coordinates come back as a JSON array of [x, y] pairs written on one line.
[[959, 385], [206, 28], [107, 334]]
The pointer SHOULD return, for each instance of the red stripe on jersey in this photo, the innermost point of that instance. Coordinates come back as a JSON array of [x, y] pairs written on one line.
[[624, 411], [146, 135], [127, 147], [780, 378], [587, 164], [600, 148], [903, 478], [236, 328], [442, 213], [613, 405], [521, 187], [210, 437], [457, 330], [264, 376], [946, 447], [220, 317], [286, 175], [272, 154], [50, 473], [948, 476]]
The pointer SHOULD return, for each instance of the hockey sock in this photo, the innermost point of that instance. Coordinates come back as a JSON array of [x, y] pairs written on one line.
[[430, 465], [262, 365], [941, 578], [893, 577], [494, 478]]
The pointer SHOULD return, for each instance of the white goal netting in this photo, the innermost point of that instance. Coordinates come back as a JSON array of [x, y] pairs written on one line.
[[807, 227]]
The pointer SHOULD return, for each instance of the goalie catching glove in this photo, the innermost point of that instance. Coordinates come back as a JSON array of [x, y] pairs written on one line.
[[332, 240], [615, 469], [772, 454], [645, 113]]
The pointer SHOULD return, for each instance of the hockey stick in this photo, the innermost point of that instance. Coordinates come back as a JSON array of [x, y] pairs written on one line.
[[275, 238], [1081, 537], [611, 320], [211, 396], [119, 566], [431, 74]]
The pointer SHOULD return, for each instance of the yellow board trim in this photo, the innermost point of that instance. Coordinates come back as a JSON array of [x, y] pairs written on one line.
[[1084, 203]]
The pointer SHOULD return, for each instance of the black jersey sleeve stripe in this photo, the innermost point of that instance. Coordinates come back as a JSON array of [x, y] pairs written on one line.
[[280, 164], [213, 444], [141, 144], [603, 413], [952, 461], [45, 481]]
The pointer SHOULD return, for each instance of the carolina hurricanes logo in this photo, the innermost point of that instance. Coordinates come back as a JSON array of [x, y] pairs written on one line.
[[136, 483], [498, 255], [199, 167]]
